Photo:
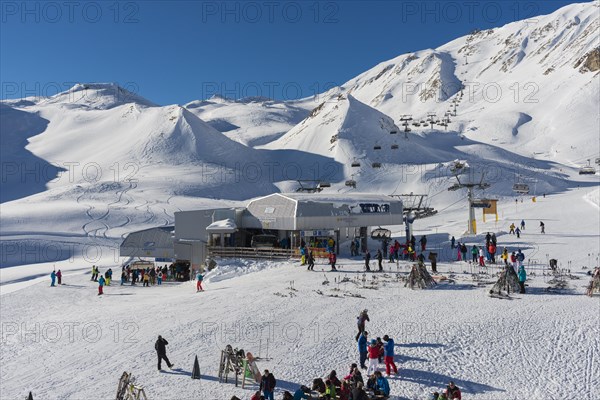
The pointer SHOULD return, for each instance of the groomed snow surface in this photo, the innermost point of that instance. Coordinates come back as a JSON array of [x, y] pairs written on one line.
[[68, 343]]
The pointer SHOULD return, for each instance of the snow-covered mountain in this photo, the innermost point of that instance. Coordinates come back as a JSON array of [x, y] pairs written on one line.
[[531, 86], [252, 121]]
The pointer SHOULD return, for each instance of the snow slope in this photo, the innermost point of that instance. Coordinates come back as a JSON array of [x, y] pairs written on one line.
[[251, 121], [539, 345]]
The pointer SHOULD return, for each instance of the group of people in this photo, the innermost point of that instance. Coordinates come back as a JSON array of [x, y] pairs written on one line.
[[516, 230], [54, 276], [451, 392], [307, 256]]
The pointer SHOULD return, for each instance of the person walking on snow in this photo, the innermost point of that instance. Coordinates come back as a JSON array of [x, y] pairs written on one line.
[[522, 224], [362, 349], [59, 277], [53, 278], [512, 229], [311, 261], [522, 278], [379, 260], [518, 233], [452, 242], [542, 227], [101, 282], [474, 253], [267, 385], [423, 242], [361, 320], [367, 260], [161, 351], [388, 355], [199, 279], [332, 261]]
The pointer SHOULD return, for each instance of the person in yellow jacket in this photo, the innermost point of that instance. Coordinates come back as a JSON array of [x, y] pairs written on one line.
[[504, 256]]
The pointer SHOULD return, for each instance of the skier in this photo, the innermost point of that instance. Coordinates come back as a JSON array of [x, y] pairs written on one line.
[[520, 257], [392, 251], [101, 282], [352, 248], [518, 233], [513, 260], [93, 273], [463, 250], [542, 227], [267, 385], [379, 260], [433, 259], [161, 351], [504, 256], [303, 255], [59, 277], [512, 229], [311, 261], [423, 242], [199, 279], [522, 278], [452, 242], [459, 252], [481, 260], [388, 355], [123, 277], [373, 351], [332, 260], [474, 253], [522, 224], [367, 260], [53, 278], [492, 252]]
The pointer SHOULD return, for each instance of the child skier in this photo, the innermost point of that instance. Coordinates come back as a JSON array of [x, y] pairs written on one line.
[[199, 279], [101, 282], [332, 260]]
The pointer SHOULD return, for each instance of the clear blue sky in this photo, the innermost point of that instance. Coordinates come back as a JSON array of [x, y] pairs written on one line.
[[178, 51]]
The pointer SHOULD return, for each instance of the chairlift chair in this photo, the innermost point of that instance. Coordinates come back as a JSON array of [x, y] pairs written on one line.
[[377, 147], [393, 132], [351, 183], [587, 171], [323, 185], [376, 164], [394, 146], [355, 164], [521, 188]]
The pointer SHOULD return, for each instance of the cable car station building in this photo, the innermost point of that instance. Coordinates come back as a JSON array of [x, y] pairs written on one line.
[[276, 225]]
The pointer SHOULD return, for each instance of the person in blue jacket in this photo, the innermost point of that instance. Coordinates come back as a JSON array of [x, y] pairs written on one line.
[[362, 348], [53, 277], [302, 393], [522, 278], [381, 384], [388, 355]]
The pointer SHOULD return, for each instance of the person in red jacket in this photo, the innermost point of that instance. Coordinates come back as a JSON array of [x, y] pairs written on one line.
[[332, 260], [373, 350], [453, 391], [492, 251]]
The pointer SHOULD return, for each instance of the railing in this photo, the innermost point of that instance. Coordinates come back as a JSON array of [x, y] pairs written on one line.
[[251, 252]]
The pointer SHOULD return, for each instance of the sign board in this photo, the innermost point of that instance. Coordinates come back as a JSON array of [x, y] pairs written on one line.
[[317, 233]]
